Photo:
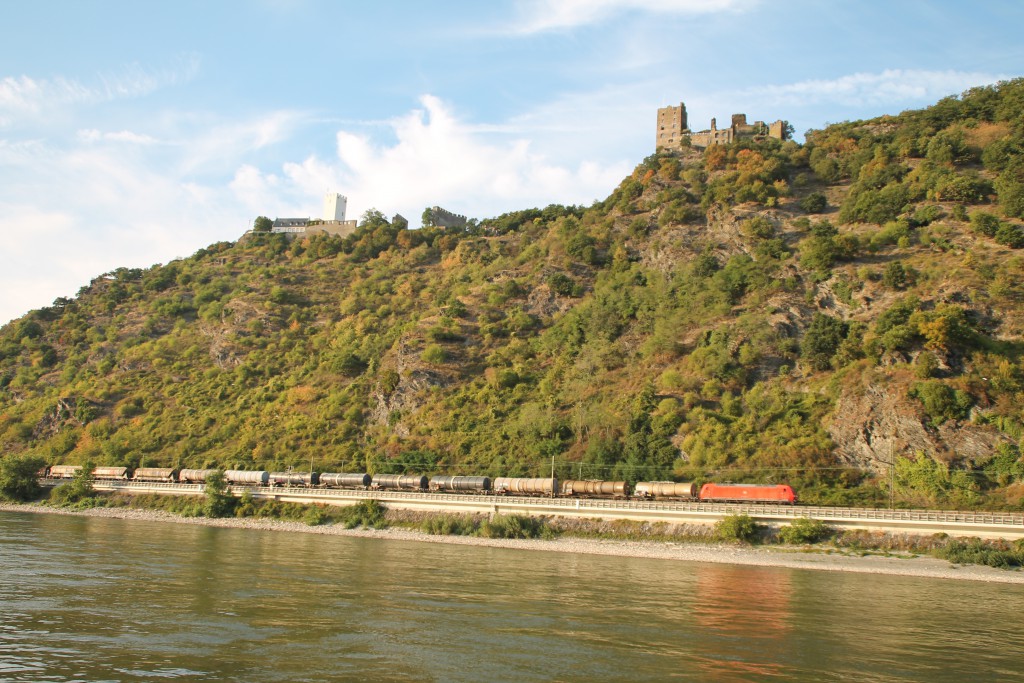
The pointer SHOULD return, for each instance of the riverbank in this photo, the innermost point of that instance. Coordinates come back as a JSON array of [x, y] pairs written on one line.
[[813, 558]]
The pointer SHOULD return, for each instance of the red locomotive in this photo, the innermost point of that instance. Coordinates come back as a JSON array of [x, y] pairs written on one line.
[[747, 493]]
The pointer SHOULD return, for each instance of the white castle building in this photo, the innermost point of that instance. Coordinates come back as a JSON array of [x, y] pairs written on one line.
[[334, 206]]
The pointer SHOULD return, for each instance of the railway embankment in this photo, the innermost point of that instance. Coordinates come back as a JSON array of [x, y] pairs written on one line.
[[817, 558]]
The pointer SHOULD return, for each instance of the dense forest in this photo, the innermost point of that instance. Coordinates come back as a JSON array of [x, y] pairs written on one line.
[[836, 315]]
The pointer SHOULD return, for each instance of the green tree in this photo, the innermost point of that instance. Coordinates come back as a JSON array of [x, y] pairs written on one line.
[[740, 528], [1010, 188], [942, 402], [804, 530], [79, 489], [822, 340], [984, 223], [262, 224], [815, 202], [894, 275], [219, 500], [19, 477]]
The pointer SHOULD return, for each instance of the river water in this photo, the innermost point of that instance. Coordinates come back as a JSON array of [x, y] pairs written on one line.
[[92, 599]]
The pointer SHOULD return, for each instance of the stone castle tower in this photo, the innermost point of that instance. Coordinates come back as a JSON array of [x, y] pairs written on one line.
[[672, 126]]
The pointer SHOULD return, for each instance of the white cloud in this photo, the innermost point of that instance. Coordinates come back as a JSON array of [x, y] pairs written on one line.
[[892, 86], [438, 159], [548, 15], [91, 135], [23, 97]]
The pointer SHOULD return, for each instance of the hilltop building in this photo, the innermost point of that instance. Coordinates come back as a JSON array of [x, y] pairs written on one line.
[[290, 225], [673, 130], [333, 222], [444, 219], [334, 206]]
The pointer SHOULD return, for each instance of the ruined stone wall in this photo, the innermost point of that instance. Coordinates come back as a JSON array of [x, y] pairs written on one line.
[[673, 133], [446, 219]]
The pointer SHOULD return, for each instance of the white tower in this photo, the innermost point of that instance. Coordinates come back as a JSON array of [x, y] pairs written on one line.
[[334, 206]]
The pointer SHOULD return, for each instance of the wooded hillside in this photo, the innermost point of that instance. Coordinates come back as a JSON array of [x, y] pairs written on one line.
[[764, 311]]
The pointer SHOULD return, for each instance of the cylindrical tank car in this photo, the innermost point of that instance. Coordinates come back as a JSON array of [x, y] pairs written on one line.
[[400, 482], [595, 488], [544, 486], [664, 489], [294, 478], [461, 484], [345, 479], [193, 476], [247, 477]]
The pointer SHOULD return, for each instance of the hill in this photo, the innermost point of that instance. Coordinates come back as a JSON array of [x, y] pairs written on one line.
[[762, 311]]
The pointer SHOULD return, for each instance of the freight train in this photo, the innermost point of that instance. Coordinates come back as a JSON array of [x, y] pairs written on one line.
[[520, 486]]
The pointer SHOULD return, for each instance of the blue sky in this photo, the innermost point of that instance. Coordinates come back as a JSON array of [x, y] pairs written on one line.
[[134, 133]]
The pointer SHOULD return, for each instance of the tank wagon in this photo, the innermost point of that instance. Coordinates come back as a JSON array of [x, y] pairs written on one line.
[[346, 480], [588, 488], [399, 482], [665, 489], [165, 474], [747, 493], [247, 477], [526, 487], [306, 479], [461, 484], [192, 476]]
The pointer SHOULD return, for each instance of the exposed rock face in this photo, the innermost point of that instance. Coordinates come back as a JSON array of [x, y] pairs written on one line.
[[407, 395], [544, 303], [869, 427]]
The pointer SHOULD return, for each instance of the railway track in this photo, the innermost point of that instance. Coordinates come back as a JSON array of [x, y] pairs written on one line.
[[952, 522]]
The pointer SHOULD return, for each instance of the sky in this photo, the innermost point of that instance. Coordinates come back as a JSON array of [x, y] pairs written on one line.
[[135, 133]]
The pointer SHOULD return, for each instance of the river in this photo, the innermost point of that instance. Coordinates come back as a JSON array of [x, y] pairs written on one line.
[[93, 599]]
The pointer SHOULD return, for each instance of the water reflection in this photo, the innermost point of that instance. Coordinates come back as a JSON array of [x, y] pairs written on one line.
[[107, 600], [744, 617]]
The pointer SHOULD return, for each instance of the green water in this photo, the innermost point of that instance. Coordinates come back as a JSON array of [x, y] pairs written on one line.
[[86, 599]]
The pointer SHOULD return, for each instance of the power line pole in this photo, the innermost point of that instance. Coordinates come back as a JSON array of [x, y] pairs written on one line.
[[892, 474]]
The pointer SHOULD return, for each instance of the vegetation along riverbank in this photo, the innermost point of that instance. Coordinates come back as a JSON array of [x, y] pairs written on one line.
[[805, 544]]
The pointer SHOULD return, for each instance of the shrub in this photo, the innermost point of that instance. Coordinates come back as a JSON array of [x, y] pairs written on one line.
[[315, 516], [805, 530], [822, 339], [434, 354], [1009, 235], [942, 402], [815, 202], [563, 285], [367, 513], [450, 525], [895, 275], [516, 526], [758, 227], [925, 365], [78, 492], [741, 528], [984, 223], [976, 551]]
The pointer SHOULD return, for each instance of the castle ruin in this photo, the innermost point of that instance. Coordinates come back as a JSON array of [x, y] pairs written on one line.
[[674, 133]]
